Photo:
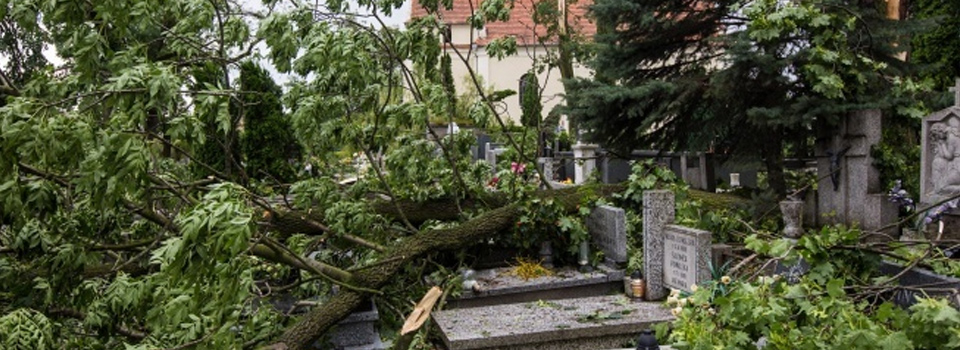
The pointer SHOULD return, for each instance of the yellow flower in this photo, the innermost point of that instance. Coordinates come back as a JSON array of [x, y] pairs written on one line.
[[725, 279], [674, 292], [711, 311], [672, 300], [694, 287]]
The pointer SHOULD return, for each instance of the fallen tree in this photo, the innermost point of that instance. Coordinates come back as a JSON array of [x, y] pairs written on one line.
[[484, 226], [127, 219]]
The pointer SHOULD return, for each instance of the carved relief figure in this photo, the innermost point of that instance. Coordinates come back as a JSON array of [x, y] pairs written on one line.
[[945, 167]]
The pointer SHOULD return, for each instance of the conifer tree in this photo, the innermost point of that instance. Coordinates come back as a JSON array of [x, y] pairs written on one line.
[[742, 77], [269, 145]]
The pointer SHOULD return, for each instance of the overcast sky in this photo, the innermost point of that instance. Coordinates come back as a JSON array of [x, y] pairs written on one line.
[[395, 20]]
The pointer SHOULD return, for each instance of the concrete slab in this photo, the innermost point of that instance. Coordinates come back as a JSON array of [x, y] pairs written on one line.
[[583, 323], [500, 286]]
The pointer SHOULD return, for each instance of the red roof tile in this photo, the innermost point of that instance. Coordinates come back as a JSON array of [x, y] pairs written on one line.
[[520, 25]]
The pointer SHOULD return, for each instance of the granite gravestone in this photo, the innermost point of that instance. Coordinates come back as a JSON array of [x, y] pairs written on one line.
[[686, 257], [658, 211], [674, 256], [608, 231], [849, 189]]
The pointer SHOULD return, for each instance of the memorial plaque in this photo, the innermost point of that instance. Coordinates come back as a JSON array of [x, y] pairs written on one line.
[[686, 256]]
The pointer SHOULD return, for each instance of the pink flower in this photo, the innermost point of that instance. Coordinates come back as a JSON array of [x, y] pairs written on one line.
[[493, 182], [517, 168]]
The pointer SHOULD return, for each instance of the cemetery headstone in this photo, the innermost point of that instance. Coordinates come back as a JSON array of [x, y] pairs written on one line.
[[658, 211], [939, 164], [673, 256], [608, 231], [614, 170], [849, 190], [686, 257], [939, 175]]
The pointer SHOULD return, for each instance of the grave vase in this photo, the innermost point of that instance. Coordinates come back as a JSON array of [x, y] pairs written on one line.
[[792, 218]]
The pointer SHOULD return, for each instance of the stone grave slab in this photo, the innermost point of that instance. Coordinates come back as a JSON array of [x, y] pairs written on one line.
[[686, 257], [582, 323], [608, 230], [499, 286]]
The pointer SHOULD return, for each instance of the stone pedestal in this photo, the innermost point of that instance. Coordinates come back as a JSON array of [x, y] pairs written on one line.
[[586, 162], [658, 211]]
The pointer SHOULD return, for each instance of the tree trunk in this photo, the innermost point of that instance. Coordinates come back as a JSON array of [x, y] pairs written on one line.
[[318, 320]]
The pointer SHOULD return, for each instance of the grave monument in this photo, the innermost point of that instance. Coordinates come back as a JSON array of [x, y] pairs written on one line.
[[674, 256], [940, 153], [849, 189], [940, 161]]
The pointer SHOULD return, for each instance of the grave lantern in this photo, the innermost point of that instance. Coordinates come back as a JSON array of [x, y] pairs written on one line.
[[647, 341]]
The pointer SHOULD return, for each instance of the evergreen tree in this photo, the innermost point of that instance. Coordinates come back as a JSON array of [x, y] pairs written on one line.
[[745, 77], [940, 46], [530, 101], [268, 140], [446, 69]]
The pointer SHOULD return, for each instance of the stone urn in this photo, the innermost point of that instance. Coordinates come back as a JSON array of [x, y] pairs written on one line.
[[792, 218]]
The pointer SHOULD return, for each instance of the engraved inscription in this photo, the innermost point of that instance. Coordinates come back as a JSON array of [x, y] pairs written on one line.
[[680, 268]]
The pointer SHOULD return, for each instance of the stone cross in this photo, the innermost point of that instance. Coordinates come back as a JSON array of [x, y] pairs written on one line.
[[956, 92]]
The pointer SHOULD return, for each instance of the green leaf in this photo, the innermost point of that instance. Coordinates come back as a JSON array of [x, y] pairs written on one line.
[[835, 288]]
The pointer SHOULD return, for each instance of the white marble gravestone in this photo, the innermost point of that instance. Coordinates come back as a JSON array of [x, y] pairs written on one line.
[[940, 153]]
